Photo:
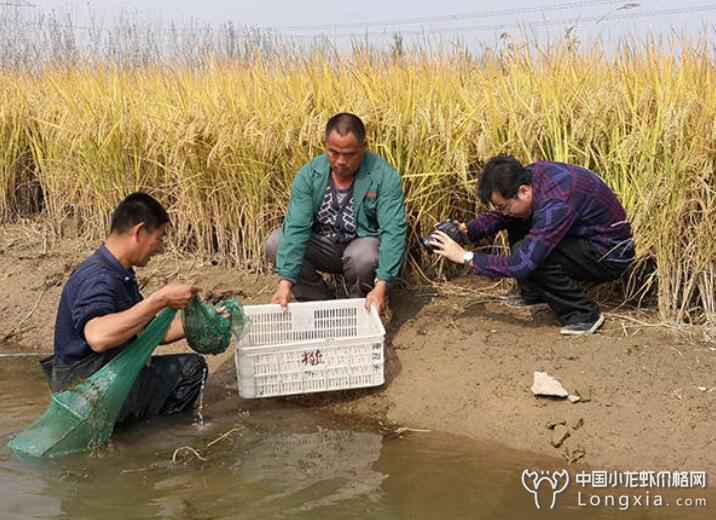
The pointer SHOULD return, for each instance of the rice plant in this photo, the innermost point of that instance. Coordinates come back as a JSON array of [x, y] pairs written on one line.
[[220, 144]]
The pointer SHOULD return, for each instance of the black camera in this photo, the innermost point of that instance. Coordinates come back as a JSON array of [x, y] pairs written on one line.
[[451, 228]]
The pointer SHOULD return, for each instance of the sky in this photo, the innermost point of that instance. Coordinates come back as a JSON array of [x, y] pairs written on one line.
[[472, 21]]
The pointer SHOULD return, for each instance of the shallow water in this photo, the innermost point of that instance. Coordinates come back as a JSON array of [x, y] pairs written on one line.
[[277, 461]]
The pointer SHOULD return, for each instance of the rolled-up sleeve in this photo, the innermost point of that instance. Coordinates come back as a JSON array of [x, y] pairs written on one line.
[[96, 297]]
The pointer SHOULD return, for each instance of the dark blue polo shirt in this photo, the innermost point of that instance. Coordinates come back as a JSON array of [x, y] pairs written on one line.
[[99, 286]]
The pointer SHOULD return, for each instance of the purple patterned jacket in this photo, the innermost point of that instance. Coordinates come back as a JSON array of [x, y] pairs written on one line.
[[567, 202]]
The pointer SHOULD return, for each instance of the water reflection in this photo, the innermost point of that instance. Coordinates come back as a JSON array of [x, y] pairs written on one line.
[[279, 462], [323, 469]]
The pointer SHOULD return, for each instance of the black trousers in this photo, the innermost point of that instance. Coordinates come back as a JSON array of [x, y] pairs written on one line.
[[168, 385], [555, 281]]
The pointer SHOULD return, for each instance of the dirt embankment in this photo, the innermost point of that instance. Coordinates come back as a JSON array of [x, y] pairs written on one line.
[[457, 362]]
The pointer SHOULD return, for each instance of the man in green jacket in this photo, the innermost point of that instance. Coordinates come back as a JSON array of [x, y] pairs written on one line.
[[346, 215]]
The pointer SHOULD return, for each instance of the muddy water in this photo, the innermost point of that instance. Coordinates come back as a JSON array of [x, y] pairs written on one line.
[[275, 461]]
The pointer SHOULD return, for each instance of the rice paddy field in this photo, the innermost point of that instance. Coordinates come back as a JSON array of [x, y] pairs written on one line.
[[219, 144]]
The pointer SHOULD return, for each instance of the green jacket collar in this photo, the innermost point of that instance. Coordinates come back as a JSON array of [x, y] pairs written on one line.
[[362, 178]]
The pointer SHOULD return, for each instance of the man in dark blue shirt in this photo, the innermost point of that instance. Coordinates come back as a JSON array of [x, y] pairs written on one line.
[[101, 311]]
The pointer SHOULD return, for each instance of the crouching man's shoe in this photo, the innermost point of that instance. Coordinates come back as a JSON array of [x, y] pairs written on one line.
[[582, 328]]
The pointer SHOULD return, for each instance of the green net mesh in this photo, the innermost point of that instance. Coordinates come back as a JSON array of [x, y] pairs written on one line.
[[208, 328], [83, 417]]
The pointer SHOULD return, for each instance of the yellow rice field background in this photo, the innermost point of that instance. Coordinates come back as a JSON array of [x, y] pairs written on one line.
[[220, 145]]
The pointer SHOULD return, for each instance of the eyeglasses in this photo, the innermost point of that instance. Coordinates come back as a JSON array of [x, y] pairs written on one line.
[[505, 208]]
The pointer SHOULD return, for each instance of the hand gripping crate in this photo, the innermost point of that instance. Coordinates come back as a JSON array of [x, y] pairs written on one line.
[[310, 347]]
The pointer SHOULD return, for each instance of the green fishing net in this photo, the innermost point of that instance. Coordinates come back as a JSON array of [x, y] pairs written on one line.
[[208, 329], [83, 416]]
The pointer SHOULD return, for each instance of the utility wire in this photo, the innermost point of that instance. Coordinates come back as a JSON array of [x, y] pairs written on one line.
[[381, 23], [502, 27], [609, 17], [15, 4], [449, 18]]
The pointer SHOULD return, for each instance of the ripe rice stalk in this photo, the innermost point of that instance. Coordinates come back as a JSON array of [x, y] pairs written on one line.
[[220, 144]]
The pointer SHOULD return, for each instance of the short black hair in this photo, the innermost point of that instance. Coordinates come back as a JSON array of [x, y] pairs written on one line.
[[346, 123], [503, 174], [138, 208]]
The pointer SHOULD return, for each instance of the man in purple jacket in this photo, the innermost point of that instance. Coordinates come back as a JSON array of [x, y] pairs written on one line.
[[564, 225]]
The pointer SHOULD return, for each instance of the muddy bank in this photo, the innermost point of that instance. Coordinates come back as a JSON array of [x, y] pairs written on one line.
[[458, 361]]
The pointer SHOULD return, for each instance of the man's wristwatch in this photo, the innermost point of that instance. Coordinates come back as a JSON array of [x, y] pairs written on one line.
[[469, 255]]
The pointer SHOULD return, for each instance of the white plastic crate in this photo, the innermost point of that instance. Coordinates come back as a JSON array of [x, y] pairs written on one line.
[[310, 347]]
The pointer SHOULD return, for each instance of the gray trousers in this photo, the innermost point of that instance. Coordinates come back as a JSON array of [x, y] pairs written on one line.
[[356, 261]]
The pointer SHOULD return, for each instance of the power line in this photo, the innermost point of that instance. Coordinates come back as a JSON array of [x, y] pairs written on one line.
[[15, 4], [612, 16], [52, 24], [388, 22], [448, 18], [502, 27]]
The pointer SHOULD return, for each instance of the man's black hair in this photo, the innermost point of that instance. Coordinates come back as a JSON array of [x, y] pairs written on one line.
[[138, 208], [503, 174], [346, 123]]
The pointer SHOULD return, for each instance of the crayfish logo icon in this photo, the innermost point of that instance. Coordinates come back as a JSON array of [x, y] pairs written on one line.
[[557, 480]]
